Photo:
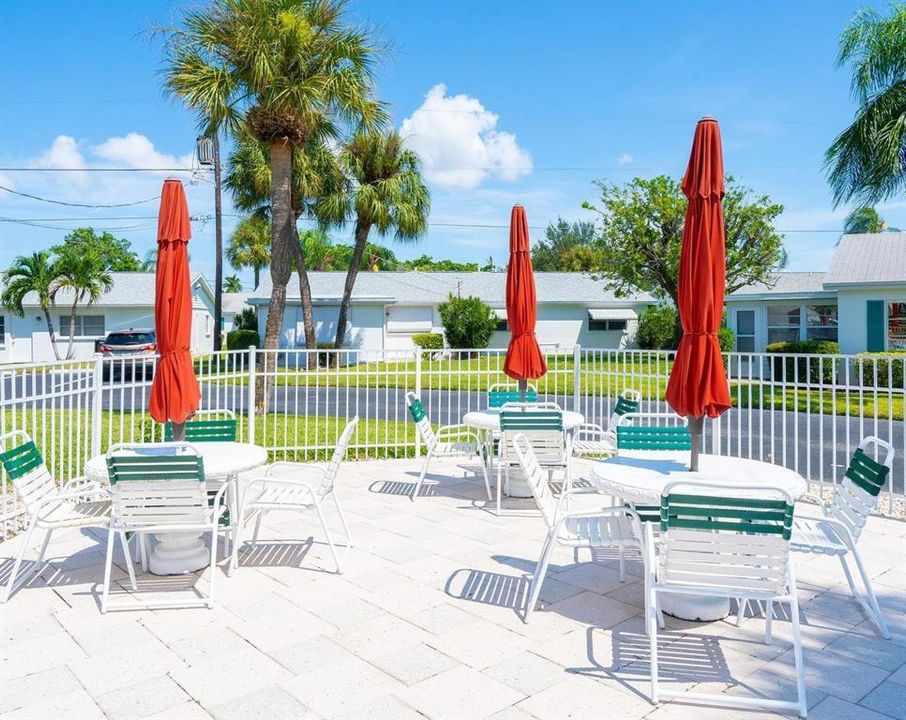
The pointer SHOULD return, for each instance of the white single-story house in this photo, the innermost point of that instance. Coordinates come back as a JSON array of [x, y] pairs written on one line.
[[860, 302], [231, 305], [388, 308], [128, 304]]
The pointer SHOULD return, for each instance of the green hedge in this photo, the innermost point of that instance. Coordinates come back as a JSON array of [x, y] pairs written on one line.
[[242, 339], [429, 342], [803, 369], [880, 369]]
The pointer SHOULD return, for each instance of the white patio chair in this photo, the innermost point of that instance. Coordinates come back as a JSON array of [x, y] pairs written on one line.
[[836, 530], [449, 441], [80, 503], [592, 440], [160, 488], [499, 394], [295, 494], [542, 424], [607, 528], [730, 547]]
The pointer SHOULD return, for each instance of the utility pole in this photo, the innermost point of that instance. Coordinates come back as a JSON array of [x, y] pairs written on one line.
[[209, 154]]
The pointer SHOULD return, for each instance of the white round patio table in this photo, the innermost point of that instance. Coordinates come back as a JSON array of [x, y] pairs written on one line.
[[178, 553], [642, 480], [487, 422]]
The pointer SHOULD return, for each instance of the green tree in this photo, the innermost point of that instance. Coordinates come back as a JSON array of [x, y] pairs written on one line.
[[864, 220], [116, 255], [563, 244], [149, 262], [232, 284], [250, 245], [641, 232], [382, 189], [35, 273], [426, 263], [867, 161], [291, 70], [85, 275], [468, 322]]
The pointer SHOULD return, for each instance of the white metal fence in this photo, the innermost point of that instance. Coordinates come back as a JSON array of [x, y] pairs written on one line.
[[806, 412]]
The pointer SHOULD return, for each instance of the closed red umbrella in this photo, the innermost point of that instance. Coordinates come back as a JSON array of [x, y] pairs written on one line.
[[698, 383], [524, 360], [174, 392]]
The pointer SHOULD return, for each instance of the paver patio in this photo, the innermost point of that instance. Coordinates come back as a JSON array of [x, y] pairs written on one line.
[[426, 621]]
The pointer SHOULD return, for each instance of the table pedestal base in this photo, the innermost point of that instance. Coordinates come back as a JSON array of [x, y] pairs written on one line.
[[178, 553], [515, 485], [698, 608]]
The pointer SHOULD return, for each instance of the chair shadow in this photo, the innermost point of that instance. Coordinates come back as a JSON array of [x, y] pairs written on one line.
[[509, 592], [435, 484], [276, 553]]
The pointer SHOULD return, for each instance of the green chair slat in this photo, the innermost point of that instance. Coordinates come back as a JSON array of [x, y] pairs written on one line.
[[867, 473], [751, 516], [761, 503], [533, 420], [206, 430], [499, 398], [21, 460], [123, 468], [625, 405], [648, 513], [652, 437], [417, 411]]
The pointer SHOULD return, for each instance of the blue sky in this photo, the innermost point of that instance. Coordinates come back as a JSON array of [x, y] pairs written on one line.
[[550, 95]]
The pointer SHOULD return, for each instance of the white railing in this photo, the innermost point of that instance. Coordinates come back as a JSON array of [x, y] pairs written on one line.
[[806, 412]]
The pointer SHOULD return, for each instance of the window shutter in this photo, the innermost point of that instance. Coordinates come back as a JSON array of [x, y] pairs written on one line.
[[875, 317]]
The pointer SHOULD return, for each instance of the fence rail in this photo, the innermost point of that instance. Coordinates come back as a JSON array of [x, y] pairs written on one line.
[[806, 412]]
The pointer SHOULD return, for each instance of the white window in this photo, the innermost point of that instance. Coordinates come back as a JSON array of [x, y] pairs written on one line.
[[745, 331], [896, 326], [784, 323], [85, 325], [821, 322], [612, 319]]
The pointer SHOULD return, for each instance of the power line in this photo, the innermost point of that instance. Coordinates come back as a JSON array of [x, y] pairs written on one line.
[[35, 169], [475, 168], [84, 205]]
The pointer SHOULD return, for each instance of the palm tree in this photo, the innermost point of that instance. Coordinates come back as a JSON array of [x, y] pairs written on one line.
[[383, 190], [864, 220], [149, 263], [320, 253], [290, 69], [36, 274], [867, 161], [85, 275], [232, 284], [250, 245]]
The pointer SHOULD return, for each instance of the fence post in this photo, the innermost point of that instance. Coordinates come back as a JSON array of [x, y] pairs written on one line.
[[250, 400], [97, 405], [418, 394], [577, 376]]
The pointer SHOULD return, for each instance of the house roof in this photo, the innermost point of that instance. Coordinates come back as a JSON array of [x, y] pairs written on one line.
[[135, 289], [785, 284], [869, 259], [234, 302], [414, 287]]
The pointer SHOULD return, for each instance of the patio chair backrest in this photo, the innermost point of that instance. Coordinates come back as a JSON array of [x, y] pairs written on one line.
[[627, 403], [725, 543], [420, 417], [157, 485], [653, 434], [207, 426], [855, 498], [502, 393], [540, 423], [26, 469], [536, 478], [339, 454]]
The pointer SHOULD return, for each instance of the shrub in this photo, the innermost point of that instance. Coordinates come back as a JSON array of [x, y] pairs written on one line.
[[245, 319], [657, 328], [726, 338], [326, 351], [803, 369], [429, 342], [468, 322], [242, 339], [880, 369]]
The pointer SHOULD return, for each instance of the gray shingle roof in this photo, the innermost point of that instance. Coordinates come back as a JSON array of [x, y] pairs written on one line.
[[784, 283], [133, 288], [234, 302], [434, 287], [868, 259]]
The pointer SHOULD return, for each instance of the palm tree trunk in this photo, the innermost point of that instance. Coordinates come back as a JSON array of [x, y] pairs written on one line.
[[50, 332], [282, 226], [257, 276], [362, 229], [72, 317], [308, 316]]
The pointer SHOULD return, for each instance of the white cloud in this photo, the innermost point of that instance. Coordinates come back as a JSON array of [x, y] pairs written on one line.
[[63, 153], [625, 159], [136, 150], [459, 143]]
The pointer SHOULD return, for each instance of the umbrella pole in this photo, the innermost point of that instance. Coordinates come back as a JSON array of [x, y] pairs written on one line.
[[696, 428], [523, 388], [179, 432]]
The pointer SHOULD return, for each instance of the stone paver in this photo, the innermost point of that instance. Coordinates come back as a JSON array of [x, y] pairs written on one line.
[[427, 622]]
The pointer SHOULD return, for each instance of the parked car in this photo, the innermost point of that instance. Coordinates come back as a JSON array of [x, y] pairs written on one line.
[[131, 353]]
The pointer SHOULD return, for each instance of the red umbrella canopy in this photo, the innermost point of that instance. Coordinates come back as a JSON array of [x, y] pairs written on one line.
[[698, 384], [174, 392], [524, 360]]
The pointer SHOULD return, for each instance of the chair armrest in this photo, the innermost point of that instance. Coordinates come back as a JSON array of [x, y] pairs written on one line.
[[84, 485], [74, 495], [297, 466], [817, 499], [461, 431], [588, 429], [838, 527], [281, 482]]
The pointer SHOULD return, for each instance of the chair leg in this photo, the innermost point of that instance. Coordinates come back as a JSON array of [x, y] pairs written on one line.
[[333, 550], [141, 539], [16, 565], [538, 577], [768, 618], [484, 470], [257, 528], [741, 605], [875, 610], [797, 649], [421, 477], [237, 541], [336, 502], [108, 562], [499, 479], [214, 533], [622, 564], [43, 548], [652, 645], [125, 543]]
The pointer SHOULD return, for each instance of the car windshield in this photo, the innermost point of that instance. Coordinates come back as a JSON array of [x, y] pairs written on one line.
[[129, 339]]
